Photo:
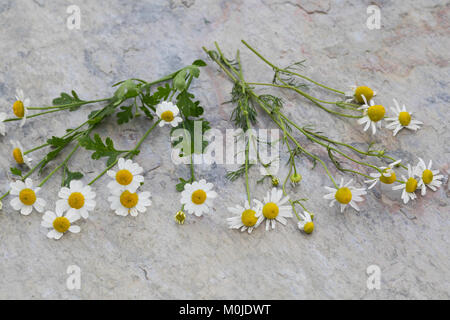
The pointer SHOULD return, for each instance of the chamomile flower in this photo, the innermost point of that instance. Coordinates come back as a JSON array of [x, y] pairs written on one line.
[[20, 106], [306, 224], [60, 223], [18, 154], [197, 197], [345, 194], [127, 178], [402, 120], [373, 114], [168, 112], [26, 197], [427, 177], [273, 209], [409, 187], [357, 92], [126, 202], [78, 198], [386, 176], [247, 217], [2, 124]]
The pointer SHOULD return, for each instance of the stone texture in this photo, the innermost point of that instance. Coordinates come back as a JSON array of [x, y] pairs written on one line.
[[152, 257]]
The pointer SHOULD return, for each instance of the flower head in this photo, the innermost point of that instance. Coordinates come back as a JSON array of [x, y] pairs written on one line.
[[168, 113], [409, 187], [19, 155], [358, 92], [373, 115], [26, 198], [20, 106], [60, 223], [78, 198], [197, 197], [387, 175], [306, 224], [345, 194], [295, 178], [2, 124], [427, 177], [273, 209], [125, 202], [128, 177], [402, 119], [247, 217], [180, 217]]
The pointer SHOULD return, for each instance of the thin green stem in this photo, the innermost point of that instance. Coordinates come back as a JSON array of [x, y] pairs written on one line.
[[60, 165], [74, 104]]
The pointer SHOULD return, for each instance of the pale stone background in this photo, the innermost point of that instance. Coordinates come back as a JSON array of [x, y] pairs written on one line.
[[152, 257]]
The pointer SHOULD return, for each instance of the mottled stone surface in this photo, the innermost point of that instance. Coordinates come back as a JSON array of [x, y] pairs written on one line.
[[152, 257]]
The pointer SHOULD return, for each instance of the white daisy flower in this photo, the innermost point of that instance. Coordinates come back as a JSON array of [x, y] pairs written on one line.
[[373, 114], [127, 178], [168, 112], [20, 106], [306, 224], [345, 194], [357, 92], [60, 223], [2, 124], [269, 165], [387, 175], [18, 154], [78, 198], [27, 197], [248, 218], [273, 209], [409, 187], [402, 120], [427, 177], [197, 197], [126, 202]]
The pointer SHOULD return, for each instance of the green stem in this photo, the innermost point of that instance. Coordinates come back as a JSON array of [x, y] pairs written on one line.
[[60, 165], [74, 104]]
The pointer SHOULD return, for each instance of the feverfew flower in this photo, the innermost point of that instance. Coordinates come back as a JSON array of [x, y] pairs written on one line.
[[127, 178], [26, 197], [247, 217], [2, 124], [18, 154], [168, 113], [78, 198], [402, 120], [306, 224], [20, 106], [126, 202], [387, 175], [373, 114], [60, 223], [273, 209], [356, 93], [427, 177], [409, 187], [197, 197], [345, 194]]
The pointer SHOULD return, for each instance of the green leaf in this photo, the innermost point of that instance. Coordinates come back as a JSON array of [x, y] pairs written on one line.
[[126, 115], [102, 149], [68, 176], [16, 171], [188, 107], [199, 63], [179, 81], [128, 89], [65, 99], [180, 186]]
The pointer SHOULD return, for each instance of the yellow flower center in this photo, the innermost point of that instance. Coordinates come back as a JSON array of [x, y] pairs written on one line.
[[124, 177], [167, 116], [411, 185], [19, 109], [427, 176], [198, 196], [61, 224], [249, 218], [388, 180], [309, 227], [76, 200], [404, 118], [366, 91], [270, 210], [343, 195], [129, 200], [17, 154], [376, 112], [27, 196]]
